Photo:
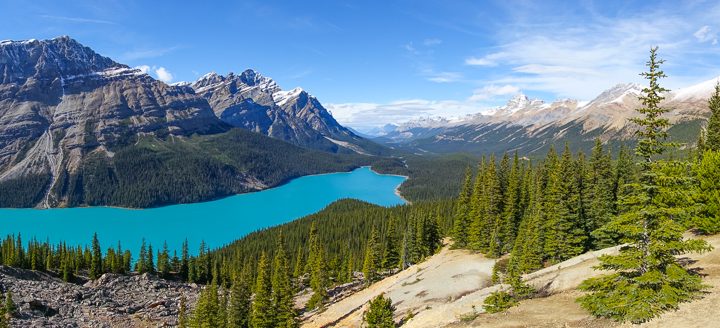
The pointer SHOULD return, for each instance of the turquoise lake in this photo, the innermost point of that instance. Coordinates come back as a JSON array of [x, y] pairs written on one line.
[[216, 222]]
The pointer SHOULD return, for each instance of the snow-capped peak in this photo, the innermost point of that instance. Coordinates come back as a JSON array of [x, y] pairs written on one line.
[[701, 90], [208, 76], [617, 94], [281, 97]]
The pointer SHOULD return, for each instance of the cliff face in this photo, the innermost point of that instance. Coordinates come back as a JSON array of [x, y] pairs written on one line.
[[251, 101], [60, 101]]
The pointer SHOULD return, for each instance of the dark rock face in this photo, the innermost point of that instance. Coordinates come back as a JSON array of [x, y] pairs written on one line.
[[254, 102], [111, 301], [60, 101]]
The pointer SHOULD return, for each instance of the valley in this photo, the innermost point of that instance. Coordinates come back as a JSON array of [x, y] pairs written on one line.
[[227, 201]]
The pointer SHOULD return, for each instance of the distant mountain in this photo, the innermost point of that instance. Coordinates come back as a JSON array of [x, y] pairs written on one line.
[[77, 128], [531, 126], [251, 101]]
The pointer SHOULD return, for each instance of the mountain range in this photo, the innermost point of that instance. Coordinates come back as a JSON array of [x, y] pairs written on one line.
[[64, 107], [530, 126]]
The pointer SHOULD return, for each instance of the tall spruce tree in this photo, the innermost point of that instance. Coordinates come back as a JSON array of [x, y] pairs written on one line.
[[712, 132], [282, 294], [182, 313], [391, 258], [462, 215], [707, 193], [372, 257], [239, 307], [96, 263], [647, 278], [513, 206], [184, 262], [317, 268], [263, 312], [599, 196]]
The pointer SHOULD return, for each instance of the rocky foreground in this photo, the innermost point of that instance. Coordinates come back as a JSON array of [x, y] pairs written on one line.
[[110, 301]]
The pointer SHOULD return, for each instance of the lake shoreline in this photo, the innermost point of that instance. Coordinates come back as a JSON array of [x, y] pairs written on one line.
[[280, 184], [397, 189], [238, 216]]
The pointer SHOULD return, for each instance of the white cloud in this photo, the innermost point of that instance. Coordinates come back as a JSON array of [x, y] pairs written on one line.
[[431, 42], [582, 61], [144, 68], [488, 60], [163, 75], [705, 34], [492, 91], [369, 115], [77, 19], [444, 77]]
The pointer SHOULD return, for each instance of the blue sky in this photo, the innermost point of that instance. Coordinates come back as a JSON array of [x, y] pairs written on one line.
[[372, 62]]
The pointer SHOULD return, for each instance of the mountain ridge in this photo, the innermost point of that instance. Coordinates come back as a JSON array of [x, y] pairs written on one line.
[[63, 107], [531, 125]]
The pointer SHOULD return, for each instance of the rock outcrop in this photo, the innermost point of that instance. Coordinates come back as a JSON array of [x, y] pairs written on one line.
[[110, 301]]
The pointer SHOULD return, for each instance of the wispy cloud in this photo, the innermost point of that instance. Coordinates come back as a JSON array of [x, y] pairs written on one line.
[[369, 115], [487, 60], [705, 34], [77, 19], [444, 77], [581, 60], [147, 53], [432, 42], [161, 73], [492, 91]]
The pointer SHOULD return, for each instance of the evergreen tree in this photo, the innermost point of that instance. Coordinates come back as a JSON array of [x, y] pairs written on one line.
[[707, 193], [163, 260], [513, 207], [372, 257], [648, 278], [182, 313], [96, 263], [477, 210], [299, 265], [184, 262], [528, 253], [239, 307], [263, 313], [391, 258], [700, 146], [380, 313], [317, 268], [462, 216], [599, 196], [140, 265], [569, 229], [149, 265], [207, 309], [712, 133], [10, 307], [282, 295]]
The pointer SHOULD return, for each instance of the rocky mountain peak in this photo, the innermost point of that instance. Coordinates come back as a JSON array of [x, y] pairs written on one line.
[[617, 94], [58, 57]]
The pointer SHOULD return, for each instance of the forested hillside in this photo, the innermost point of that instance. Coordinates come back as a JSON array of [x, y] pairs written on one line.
[[158, 171], [566, 205]]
